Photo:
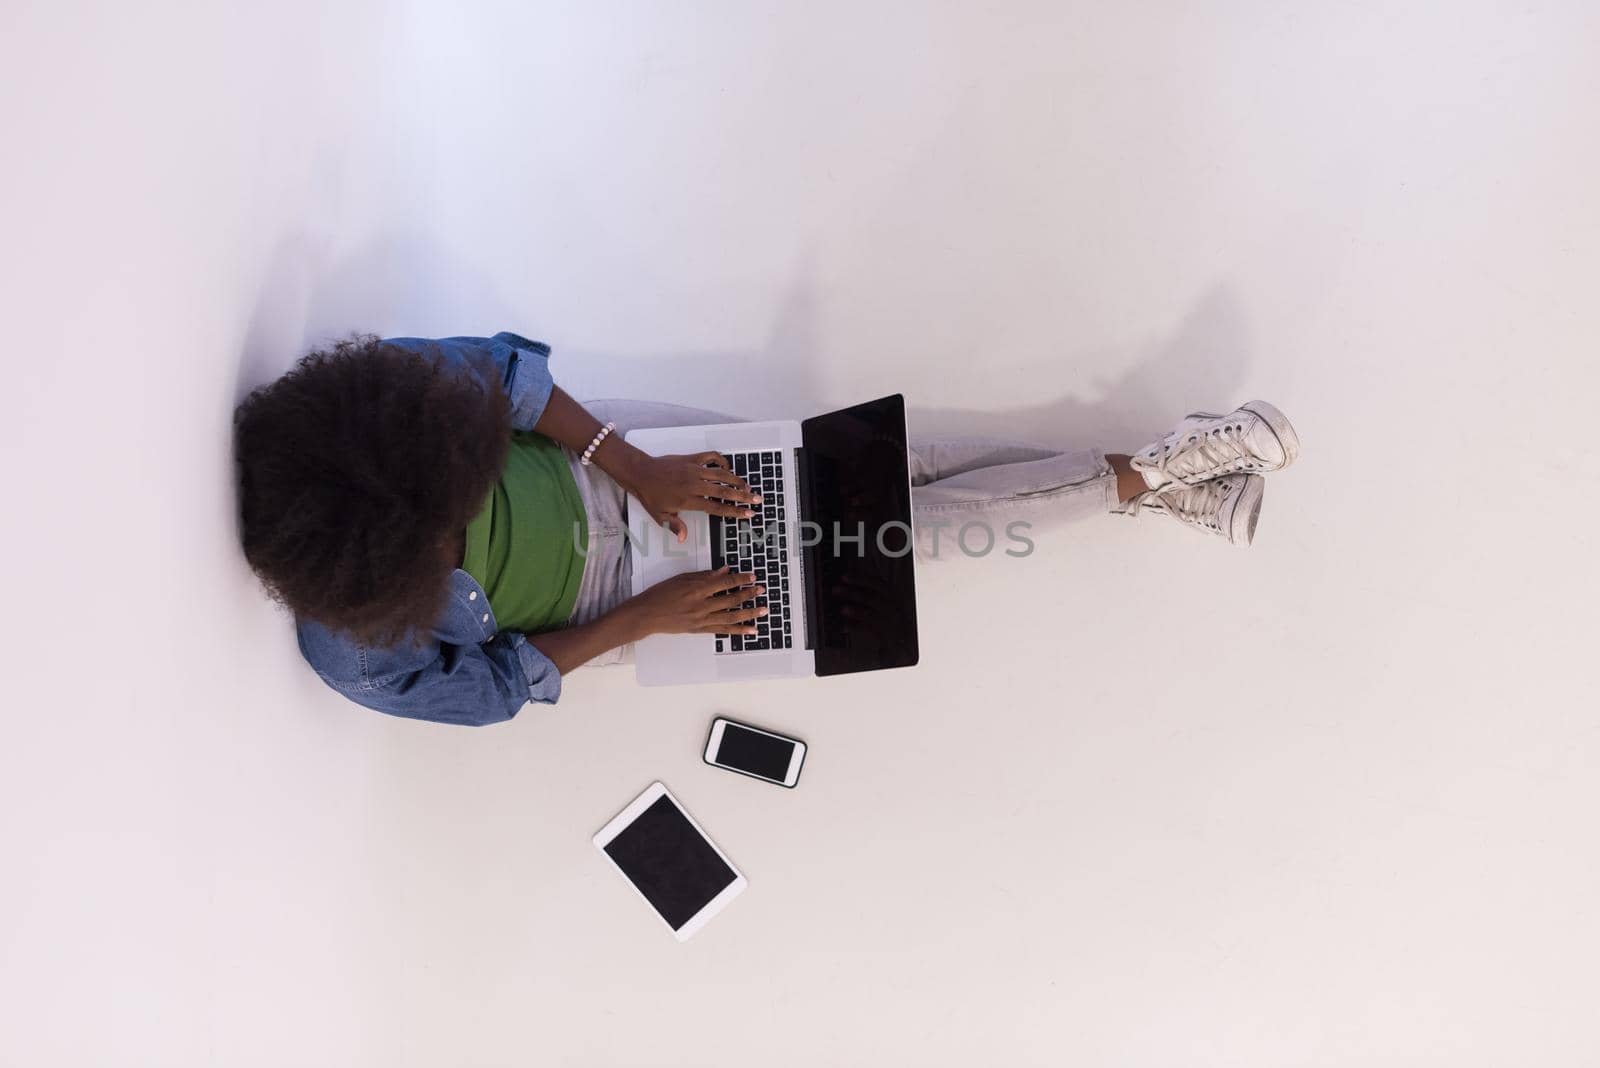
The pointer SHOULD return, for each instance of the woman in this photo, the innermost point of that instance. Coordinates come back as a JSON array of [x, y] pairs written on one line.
[[426, 510]]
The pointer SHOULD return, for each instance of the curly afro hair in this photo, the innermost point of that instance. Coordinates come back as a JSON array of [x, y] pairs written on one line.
[[358, 470]]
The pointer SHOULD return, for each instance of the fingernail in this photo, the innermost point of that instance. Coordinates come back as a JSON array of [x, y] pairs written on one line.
[[761, 611], [761, 589], [758, 498]]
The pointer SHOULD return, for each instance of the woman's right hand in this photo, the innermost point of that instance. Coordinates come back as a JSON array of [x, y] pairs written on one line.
[[699, 602]]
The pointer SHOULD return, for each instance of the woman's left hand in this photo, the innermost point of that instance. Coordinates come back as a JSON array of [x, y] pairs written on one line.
[[667, 485]]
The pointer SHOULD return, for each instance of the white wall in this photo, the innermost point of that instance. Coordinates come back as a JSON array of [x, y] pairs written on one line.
[[1147, 801]]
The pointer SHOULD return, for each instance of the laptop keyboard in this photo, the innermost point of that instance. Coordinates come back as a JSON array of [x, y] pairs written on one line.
[[758, 545]]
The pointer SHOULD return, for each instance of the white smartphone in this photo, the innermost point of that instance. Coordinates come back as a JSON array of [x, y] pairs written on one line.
[[754, 752], [670, 861]]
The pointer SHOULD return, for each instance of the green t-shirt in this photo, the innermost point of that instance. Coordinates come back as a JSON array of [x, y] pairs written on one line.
[[525, 547]]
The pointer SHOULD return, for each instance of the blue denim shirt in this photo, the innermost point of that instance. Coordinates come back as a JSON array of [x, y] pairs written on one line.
[[463, 670]]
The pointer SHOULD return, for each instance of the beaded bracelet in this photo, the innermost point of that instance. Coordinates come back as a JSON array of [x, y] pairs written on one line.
[[595, 444]]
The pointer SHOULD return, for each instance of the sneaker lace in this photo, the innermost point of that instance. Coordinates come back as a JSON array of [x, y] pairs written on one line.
[[1197, 505], [1219, 449]]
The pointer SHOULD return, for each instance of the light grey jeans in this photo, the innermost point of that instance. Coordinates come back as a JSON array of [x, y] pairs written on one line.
[[966, 494]]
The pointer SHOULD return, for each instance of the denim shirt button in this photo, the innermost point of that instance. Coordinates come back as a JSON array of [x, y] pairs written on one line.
[[472, 595], [486, 617]]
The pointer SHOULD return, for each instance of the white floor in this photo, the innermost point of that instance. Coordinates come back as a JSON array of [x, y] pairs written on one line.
[[1147, 801]]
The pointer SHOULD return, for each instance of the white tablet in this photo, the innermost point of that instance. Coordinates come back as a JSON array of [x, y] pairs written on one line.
[[668, 859]]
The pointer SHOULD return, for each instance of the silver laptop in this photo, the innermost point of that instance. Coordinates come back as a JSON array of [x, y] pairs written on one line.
[[831, 541]]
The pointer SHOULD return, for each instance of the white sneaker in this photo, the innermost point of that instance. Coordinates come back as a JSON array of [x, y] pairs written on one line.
[[1252, 439], [1227, 507]]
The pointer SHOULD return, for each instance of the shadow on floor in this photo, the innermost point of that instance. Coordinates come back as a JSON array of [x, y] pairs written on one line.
[[404, 280], [1199, 367]]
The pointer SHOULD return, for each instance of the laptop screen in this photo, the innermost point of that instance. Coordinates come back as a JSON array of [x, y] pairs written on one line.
[[860, 581]]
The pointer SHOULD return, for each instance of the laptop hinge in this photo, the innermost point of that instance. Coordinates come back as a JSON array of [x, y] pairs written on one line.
[[805, 559]]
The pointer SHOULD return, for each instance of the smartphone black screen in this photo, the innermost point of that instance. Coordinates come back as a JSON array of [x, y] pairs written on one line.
[[755, 753]]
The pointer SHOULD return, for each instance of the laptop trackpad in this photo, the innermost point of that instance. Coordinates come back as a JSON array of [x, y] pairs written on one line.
[[749, 666]]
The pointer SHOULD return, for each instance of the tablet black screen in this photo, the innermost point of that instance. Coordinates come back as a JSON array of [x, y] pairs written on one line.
[[670, 862]]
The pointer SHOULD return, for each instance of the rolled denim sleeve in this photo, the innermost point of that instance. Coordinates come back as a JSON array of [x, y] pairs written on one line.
[[544, 679], [521, 366], [471, 684]]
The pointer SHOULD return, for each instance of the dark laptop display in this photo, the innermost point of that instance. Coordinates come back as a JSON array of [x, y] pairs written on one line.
[[860, 585]]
